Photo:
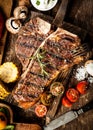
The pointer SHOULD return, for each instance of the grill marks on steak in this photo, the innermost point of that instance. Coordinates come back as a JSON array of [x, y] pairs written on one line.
[[29, 39], [59, 47], [33, 84], [57, 56]]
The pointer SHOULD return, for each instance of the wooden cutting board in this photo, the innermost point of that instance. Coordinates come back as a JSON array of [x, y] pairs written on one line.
[[6, 7]]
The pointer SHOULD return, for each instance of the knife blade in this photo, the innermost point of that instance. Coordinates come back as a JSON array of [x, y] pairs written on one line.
[[60, 15], [68, 117]]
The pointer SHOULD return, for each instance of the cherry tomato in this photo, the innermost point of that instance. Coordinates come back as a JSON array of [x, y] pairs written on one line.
[[66, 102], [41, 110], [72, 94], [46, 99], [56, 88], [82, 87]]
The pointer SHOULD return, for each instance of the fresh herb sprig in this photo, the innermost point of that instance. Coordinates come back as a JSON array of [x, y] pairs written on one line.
[[9, 127], [39, 56]]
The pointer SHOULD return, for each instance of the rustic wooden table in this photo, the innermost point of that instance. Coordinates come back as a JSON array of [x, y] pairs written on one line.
[[78, 13]]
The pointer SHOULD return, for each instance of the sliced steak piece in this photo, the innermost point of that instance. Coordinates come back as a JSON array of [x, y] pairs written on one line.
[[29, 39], [53, 55]]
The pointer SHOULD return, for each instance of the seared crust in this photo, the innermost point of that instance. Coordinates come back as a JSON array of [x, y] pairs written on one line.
[[30, 38], [57, 47]]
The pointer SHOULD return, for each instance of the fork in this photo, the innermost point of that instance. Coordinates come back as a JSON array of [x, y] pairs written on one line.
[[63, 78], [64, 75], [81, 50]]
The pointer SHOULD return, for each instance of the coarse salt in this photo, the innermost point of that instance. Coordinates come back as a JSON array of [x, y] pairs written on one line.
[[81, 73]]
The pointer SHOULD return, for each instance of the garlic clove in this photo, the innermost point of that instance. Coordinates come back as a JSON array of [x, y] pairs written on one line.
[[89, 67]]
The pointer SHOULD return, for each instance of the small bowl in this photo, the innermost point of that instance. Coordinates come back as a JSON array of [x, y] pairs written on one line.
[[89, 67], [42, 6], [9, 114]]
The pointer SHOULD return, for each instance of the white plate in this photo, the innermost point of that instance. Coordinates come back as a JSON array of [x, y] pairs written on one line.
[[42, 4]]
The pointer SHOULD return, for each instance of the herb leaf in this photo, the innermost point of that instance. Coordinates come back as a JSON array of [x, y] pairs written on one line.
[[9, 127], [38, 2], [40, 54]]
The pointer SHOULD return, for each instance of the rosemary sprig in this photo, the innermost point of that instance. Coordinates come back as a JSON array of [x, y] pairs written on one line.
[[39, 55]]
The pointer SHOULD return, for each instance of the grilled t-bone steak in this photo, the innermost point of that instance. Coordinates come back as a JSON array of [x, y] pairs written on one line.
[[53, 55], [29, 39]]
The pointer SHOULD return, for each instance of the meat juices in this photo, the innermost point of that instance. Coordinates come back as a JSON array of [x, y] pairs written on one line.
[[57, 56]]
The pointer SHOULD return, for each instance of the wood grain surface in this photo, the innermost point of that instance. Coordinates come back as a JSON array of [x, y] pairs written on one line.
[[6, 7], [22, 126], [79, 14]]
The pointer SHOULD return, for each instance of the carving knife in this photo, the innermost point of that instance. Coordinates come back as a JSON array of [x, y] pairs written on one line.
[[68, 117]]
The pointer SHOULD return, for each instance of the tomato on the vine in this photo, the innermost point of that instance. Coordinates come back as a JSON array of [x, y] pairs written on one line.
[[41, 110], [82, 87], [72, 94], [66, 102]]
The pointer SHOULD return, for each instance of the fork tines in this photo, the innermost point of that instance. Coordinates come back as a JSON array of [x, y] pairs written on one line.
[[64, 75], [81, 50]]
